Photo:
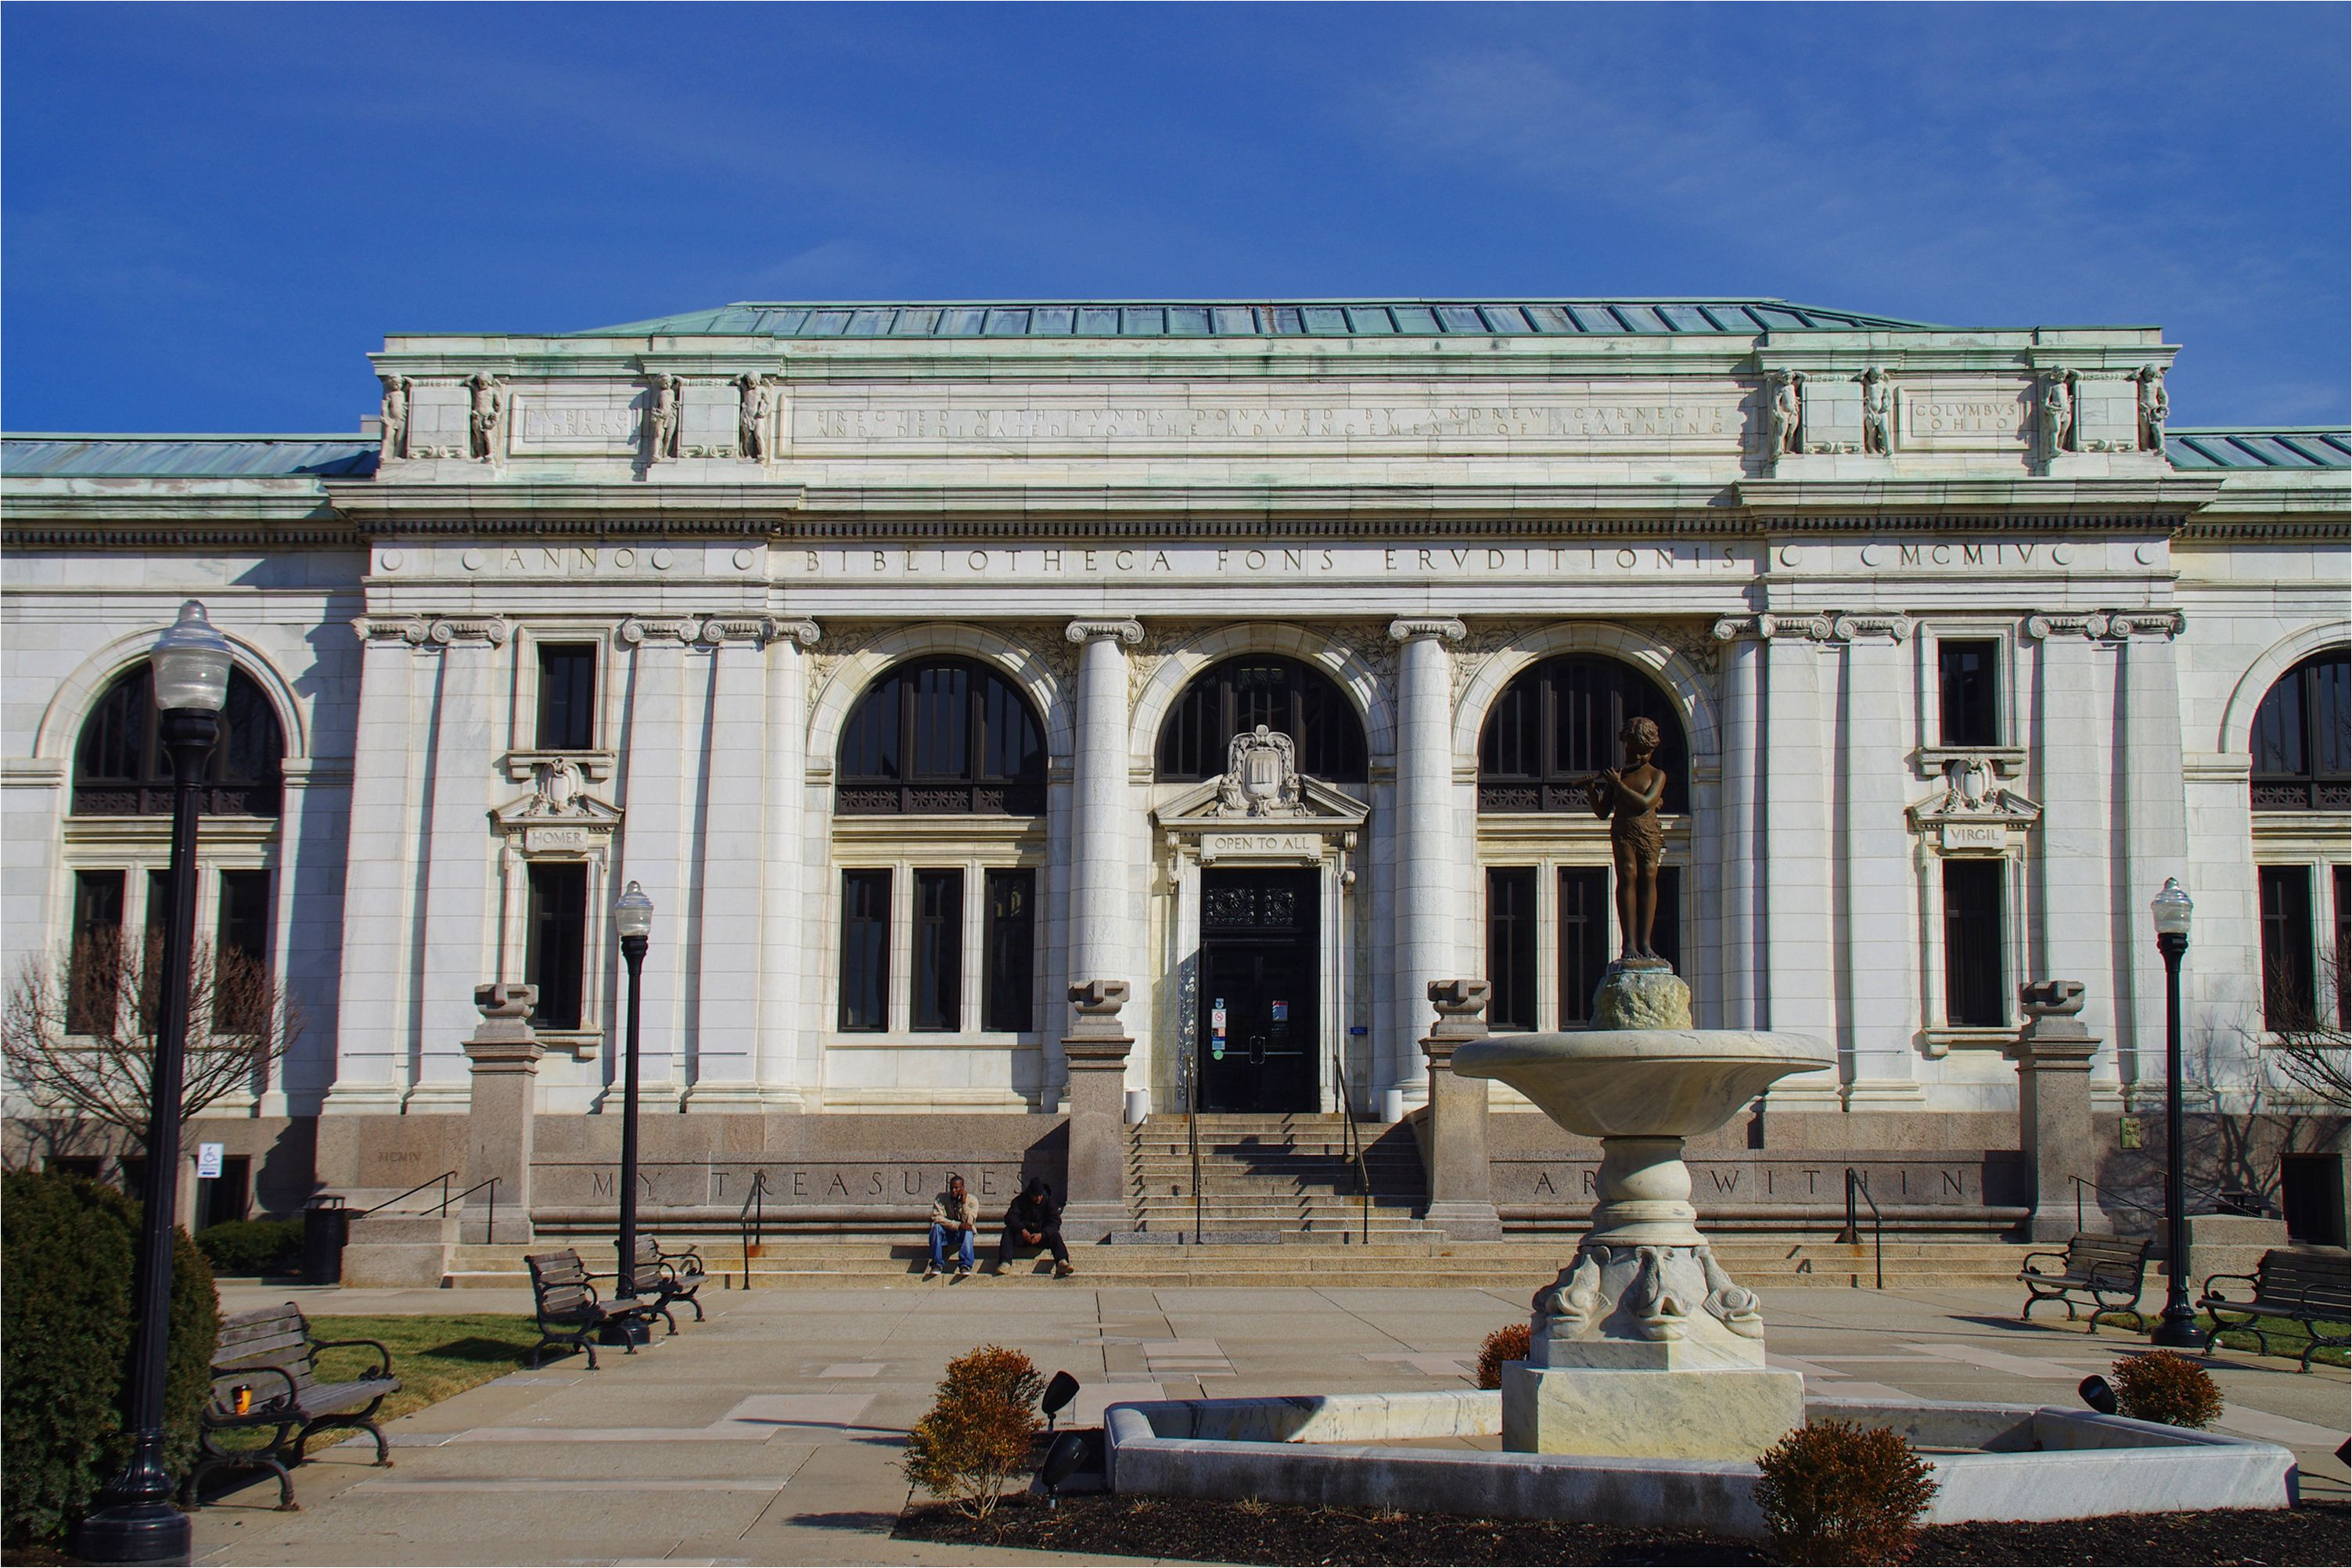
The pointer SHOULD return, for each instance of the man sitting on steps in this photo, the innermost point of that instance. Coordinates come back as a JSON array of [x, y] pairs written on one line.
[[953, 1214], [1035, 1220]]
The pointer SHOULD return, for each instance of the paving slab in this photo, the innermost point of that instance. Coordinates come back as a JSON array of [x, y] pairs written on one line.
[[772, 1432]]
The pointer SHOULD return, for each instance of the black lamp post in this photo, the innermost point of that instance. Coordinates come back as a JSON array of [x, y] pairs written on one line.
[[2178, 1328], [134, 1520], [633, 917]]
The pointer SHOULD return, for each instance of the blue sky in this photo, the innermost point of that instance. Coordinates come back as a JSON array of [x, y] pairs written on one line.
[[211, 213]]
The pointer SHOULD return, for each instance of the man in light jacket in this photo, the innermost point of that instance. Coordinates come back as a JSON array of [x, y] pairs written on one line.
[[954, 1213]]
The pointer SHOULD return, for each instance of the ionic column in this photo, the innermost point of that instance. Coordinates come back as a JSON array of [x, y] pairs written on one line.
[[2156, 820], [734, 864], [785, 924], [1740, 835], [379, 872], [653, 850], [1103, 896], [1882, 1010], [2071, 871], [459, 945], [1800, 962], [310, 838], [1427, 855]]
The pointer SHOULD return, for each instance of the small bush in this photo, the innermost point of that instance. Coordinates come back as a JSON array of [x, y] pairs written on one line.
[[65, 1263], [2158, 1386], [252, 1245], [1508, 1342], [978, 1431], [1836, 1492]]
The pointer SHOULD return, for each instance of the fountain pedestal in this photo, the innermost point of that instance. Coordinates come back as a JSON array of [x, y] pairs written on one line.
[[1644, 1347]]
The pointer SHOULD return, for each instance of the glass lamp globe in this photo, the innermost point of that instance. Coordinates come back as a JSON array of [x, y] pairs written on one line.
[[633, 915], [191, 663], [2172, 909]]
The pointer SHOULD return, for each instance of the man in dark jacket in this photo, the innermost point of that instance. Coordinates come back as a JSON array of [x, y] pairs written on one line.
[[1035, 1220]]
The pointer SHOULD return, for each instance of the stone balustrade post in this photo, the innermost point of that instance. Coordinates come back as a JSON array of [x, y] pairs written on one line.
[[1095, 1202], [2054, 1110], [1461, 1182], [504, 1054]]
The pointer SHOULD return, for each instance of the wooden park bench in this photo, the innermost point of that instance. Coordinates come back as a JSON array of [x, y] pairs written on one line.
[[669, 1277], [2103, 1272], [571, 1313], [265, 1376], [2305, 1287]]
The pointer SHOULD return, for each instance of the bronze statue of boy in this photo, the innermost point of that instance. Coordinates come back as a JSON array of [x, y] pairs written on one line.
[[1628, 798]]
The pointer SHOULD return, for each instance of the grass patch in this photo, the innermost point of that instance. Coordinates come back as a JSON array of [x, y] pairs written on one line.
[[433, 1357], [2287, 1336]]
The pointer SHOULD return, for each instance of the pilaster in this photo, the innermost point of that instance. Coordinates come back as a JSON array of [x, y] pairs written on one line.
[[1103, 897], [1875, 886], [784, 923], [457, 936], [1741, 836], [2074, 751], [734, 863], [1427, 855], [1800, 958], [379, 861], [654, 842]]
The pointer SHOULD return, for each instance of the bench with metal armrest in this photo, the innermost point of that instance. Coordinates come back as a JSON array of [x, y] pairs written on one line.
[[2103, 1272], [2305, 1287], [569, 1312], [265, 1377]]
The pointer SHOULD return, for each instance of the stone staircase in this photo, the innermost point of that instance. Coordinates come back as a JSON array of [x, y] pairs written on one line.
[[1266, 1178], [1516, 1267]]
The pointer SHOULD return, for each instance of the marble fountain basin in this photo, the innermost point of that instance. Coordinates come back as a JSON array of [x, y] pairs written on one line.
[[1643, 1083], [1357, 1450]]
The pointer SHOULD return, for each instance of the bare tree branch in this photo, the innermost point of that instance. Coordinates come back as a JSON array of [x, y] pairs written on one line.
[[2311, 1041], [77, 1036]]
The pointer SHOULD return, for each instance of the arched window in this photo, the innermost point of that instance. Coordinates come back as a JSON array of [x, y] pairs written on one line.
[[942, 735], [2303, 737], [1288, 696], [1556, 726], [120, 768]]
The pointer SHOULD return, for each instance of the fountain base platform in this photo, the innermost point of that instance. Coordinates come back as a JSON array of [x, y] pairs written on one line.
[[1712, 1413]]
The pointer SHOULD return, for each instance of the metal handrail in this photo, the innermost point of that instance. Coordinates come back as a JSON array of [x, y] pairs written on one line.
[[489, 1181], [751, 1222], [1192, 1138], [444, 1179], [1852, 1236], [1352, 1138]]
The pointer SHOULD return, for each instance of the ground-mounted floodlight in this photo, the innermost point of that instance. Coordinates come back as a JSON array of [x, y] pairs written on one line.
[[2099, 1394], [1058, 1395]]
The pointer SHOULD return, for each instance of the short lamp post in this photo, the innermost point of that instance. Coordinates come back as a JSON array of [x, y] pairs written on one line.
[[2176, 1328], [134, 1520], [633, 917]]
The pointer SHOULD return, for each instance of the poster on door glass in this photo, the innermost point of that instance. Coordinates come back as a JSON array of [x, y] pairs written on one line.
[[1282, 1012]]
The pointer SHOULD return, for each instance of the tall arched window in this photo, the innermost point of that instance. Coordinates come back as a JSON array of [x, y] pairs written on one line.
[[1556, 726], [941, 735], [1288, 696], [2303, 737], [120, 768]]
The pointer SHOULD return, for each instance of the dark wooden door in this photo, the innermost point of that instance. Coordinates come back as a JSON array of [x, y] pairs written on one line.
[[1261, 974]]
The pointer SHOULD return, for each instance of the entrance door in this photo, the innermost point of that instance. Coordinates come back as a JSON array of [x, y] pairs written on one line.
[[1260, 975]]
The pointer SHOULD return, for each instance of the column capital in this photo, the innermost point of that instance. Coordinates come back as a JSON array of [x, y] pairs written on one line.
[[753, 629], [806, 633], [2108, 626], [1406, 628], [491, 631], [410, 629], [1129, 631], [637, 630]]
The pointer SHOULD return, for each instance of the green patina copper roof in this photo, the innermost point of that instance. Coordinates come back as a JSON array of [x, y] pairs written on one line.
[[1251, 318], [187, 457], [2301, 446]]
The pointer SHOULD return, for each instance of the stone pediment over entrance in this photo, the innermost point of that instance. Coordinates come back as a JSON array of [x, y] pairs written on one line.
[[1260, 807]]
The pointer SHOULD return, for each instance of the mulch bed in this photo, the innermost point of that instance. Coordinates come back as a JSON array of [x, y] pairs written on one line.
[[1254, 1532]]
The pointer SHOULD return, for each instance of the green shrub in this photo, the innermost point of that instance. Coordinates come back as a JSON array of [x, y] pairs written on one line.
[[66, 1260], [2158, 1386], [252, 1245], [1508, 1342], [978, 1431], [1837, 1492]]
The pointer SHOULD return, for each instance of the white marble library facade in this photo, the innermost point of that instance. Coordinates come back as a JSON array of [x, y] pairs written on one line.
[[922, 661]]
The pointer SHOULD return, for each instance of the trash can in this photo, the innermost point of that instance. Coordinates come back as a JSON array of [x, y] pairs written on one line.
[[326, 1227]]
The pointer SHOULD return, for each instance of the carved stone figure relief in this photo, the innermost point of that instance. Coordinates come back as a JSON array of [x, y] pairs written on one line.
[[1878, 421], [665, 418], [486, 420], [1785, 414], [2154, 407], [757, 403], [395, 418], [2057, 410]]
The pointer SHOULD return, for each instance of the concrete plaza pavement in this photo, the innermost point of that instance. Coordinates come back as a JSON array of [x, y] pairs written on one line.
[[770, 1433]]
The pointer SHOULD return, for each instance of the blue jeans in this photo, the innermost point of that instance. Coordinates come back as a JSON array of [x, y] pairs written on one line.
[[940, 1234]]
